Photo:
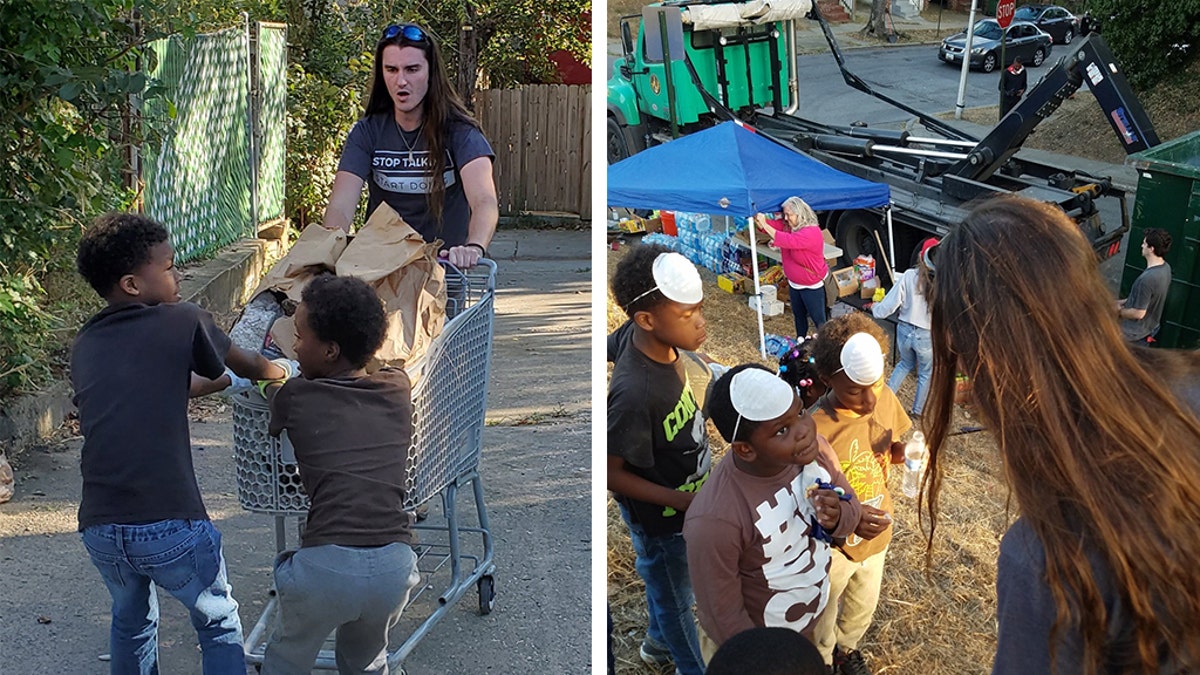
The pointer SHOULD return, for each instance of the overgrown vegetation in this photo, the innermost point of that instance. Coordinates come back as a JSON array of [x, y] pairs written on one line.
[[72, 72], [1152, 39]]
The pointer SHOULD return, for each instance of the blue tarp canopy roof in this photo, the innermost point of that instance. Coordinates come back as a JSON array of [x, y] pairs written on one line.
[[695, 173]]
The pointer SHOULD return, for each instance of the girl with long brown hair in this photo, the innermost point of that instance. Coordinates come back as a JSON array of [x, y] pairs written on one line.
[[423, 152], [1100, 445]]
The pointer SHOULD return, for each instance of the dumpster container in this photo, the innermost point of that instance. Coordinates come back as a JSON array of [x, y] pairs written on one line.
[[988, 7], [1168, 197]]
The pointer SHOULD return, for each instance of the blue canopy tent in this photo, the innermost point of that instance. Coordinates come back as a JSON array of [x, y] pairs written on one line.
[[733, 170]]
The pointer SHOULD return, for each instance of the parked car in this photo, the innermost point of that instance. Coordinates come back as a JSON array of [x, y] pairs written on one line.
[[1021, 39], [1062, 25]]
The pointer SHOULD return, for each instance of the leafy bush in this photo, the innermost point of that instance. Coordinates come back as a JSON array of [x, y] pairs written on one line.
[[22, 323], [1150, 38], [66, 75]]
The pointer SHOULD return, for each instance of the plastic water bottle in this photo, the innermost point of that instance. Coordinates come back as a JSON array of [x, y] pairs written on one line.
[[914, 464]]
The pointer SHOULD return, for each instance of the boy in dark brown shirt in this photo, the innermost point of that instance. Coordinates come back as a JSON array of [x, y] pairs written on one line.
[[351, 432], [758, 534]]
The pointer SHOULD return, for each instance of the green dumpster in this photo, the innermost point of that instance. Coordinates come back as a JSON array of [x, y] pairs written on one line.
[[1168, 197], [989, 7]]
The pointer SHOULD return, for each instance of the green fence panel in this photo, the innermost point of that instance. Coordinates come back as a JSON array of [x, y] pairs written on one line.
[[198, 179], [272, 120]]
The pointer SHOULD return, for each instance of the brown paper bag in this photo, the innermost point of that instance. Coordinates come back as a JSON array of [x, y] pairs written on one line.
[[391, 256], [395, 260], [317, 250]]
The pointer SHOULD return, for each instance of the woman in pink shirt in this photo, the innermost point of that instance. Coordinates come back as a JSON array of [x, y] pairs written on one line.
[[803, 251]]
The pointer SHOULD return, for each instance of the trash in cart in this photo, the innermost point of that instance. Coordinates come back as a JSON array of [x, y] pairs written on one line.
[[448, 407]]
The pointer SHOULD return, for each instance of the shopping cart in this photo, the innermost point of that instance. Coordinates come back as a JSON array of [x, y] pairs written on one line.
[[449, 404]]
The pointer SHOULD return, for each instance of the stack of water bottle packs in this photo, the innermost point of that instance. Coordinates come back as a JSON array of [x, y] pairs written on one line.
[[698, 241]]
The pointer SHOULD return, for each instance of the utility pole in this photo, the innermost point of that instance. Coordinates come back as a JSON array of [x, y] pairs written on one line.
[[966, 65]]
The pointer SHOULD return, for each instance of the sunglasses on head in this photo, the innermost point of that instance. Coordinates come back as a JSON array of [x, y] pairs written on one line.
[[408, 31]]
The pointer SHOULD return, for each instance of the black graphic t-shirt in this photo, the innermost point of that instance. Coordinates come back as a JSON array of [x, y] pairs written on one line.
[[657, 427], [396, 169]]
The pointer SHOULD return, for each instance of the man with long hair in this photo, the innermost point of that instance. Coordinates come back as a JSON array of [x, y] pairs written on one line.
[[1098, 442], [422, 151]]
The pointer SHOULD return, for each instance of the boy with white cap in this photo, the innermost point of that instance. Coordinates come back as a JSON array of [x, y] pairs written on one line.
[[657, 446], [864, 422], [759, 533]]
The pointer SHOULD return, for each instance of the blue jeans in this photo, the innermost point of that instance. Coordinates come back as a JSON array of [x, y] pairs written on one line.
[[915, 348], [807, 302], [662, 564], [183, 557]]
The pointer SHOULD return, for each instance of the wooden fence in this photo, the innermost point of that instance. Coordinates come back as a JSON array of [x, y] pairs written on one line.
[[542, 136]]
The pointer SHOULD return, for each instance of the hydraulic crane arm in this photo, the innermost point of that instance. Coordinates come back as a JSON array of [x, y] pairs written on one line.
[[1090, 62]]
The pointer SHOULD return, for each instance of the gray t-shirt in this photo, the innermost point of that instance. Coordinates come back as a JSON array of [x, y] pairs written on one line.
[[1149, 292], [396, 169]]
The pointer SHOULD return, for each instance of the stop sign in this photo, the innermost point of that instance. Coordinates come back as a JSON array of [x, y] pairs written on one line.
[[1004, 12]]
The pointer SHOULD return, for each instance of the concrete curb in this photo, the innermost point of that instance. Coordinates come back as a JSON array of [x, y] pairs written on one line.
[[219, 285]]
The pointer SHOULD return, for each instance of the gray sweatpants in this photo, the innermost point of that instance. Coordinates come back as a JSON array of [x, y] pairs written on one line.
[[359, 592]]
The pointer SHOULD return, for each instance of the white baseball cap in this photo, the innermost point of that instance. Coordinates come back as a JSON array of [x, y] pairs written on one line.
[[759, 395], [862, 359]]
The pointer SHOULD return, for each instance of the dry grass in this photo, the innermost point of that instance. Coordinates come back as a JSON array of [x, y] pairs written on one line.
[[938, 623]]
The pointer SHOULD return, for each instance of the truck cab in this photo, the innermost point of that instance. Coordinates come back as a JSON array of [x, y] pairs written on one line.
[[741, 64]]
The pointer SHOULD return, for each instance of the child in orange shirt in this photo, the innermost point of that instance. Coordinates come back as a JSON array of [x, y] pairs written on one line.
[[863, 421]]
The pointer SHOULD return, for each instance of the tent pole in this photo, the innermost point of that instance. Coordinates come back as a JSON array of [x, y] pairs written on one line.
[[891, 243], [762, 336]]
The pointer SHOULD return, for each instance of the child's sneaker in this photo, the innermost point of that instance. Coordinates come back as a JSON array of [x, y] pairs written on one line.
[[654, 654], [850, 663]]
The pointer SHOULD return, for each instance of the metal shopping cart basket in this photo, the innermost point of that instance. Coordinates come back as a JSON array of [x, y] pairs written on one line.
[[449, 404]]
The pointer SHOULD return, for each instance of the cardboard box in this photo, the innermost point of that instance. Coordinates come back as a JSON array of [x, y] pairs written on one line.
[[732, 282], [866, 289], [832, 252], [847, 281], [769, 307], [640, 225]]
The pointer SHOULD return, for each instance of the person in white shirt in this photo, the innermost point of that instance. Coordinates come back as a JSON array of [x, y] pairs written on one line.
[[913, 344]]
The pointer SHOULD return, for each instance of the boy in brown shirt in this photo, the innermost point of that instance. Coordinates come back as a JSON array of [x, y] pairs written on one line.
[[351, 432], [758, 534]]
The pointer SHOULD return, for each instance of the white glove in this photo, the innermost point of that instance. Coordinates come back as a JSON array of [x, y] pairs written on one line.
[[292, 368], [237, 384]]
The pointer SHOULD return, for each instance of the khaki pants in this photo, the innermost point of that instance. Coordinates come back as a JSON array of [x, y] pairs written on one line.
[[707, 646], [856, 586]]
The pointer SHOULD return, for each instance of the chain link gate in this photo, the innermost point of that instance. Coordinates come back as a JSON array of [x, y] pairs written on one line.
[[218, 172]]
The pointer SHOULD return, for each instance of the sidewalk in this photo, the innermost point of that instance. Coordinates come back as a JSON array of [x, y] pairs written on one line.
[[536, 475]]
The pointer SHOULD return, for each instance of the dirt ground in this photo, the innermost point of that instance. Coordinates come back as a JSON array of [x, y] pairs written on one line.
[[935, 620], [536, 474]]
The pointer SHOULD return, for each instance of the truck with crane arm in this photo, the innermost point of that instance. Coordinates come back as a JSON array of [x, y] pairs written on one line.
[[695, 63]]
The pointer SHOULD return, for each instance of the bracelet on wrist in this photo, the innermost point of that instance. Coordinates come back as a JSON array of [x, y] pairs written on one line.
[[482, 250]]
